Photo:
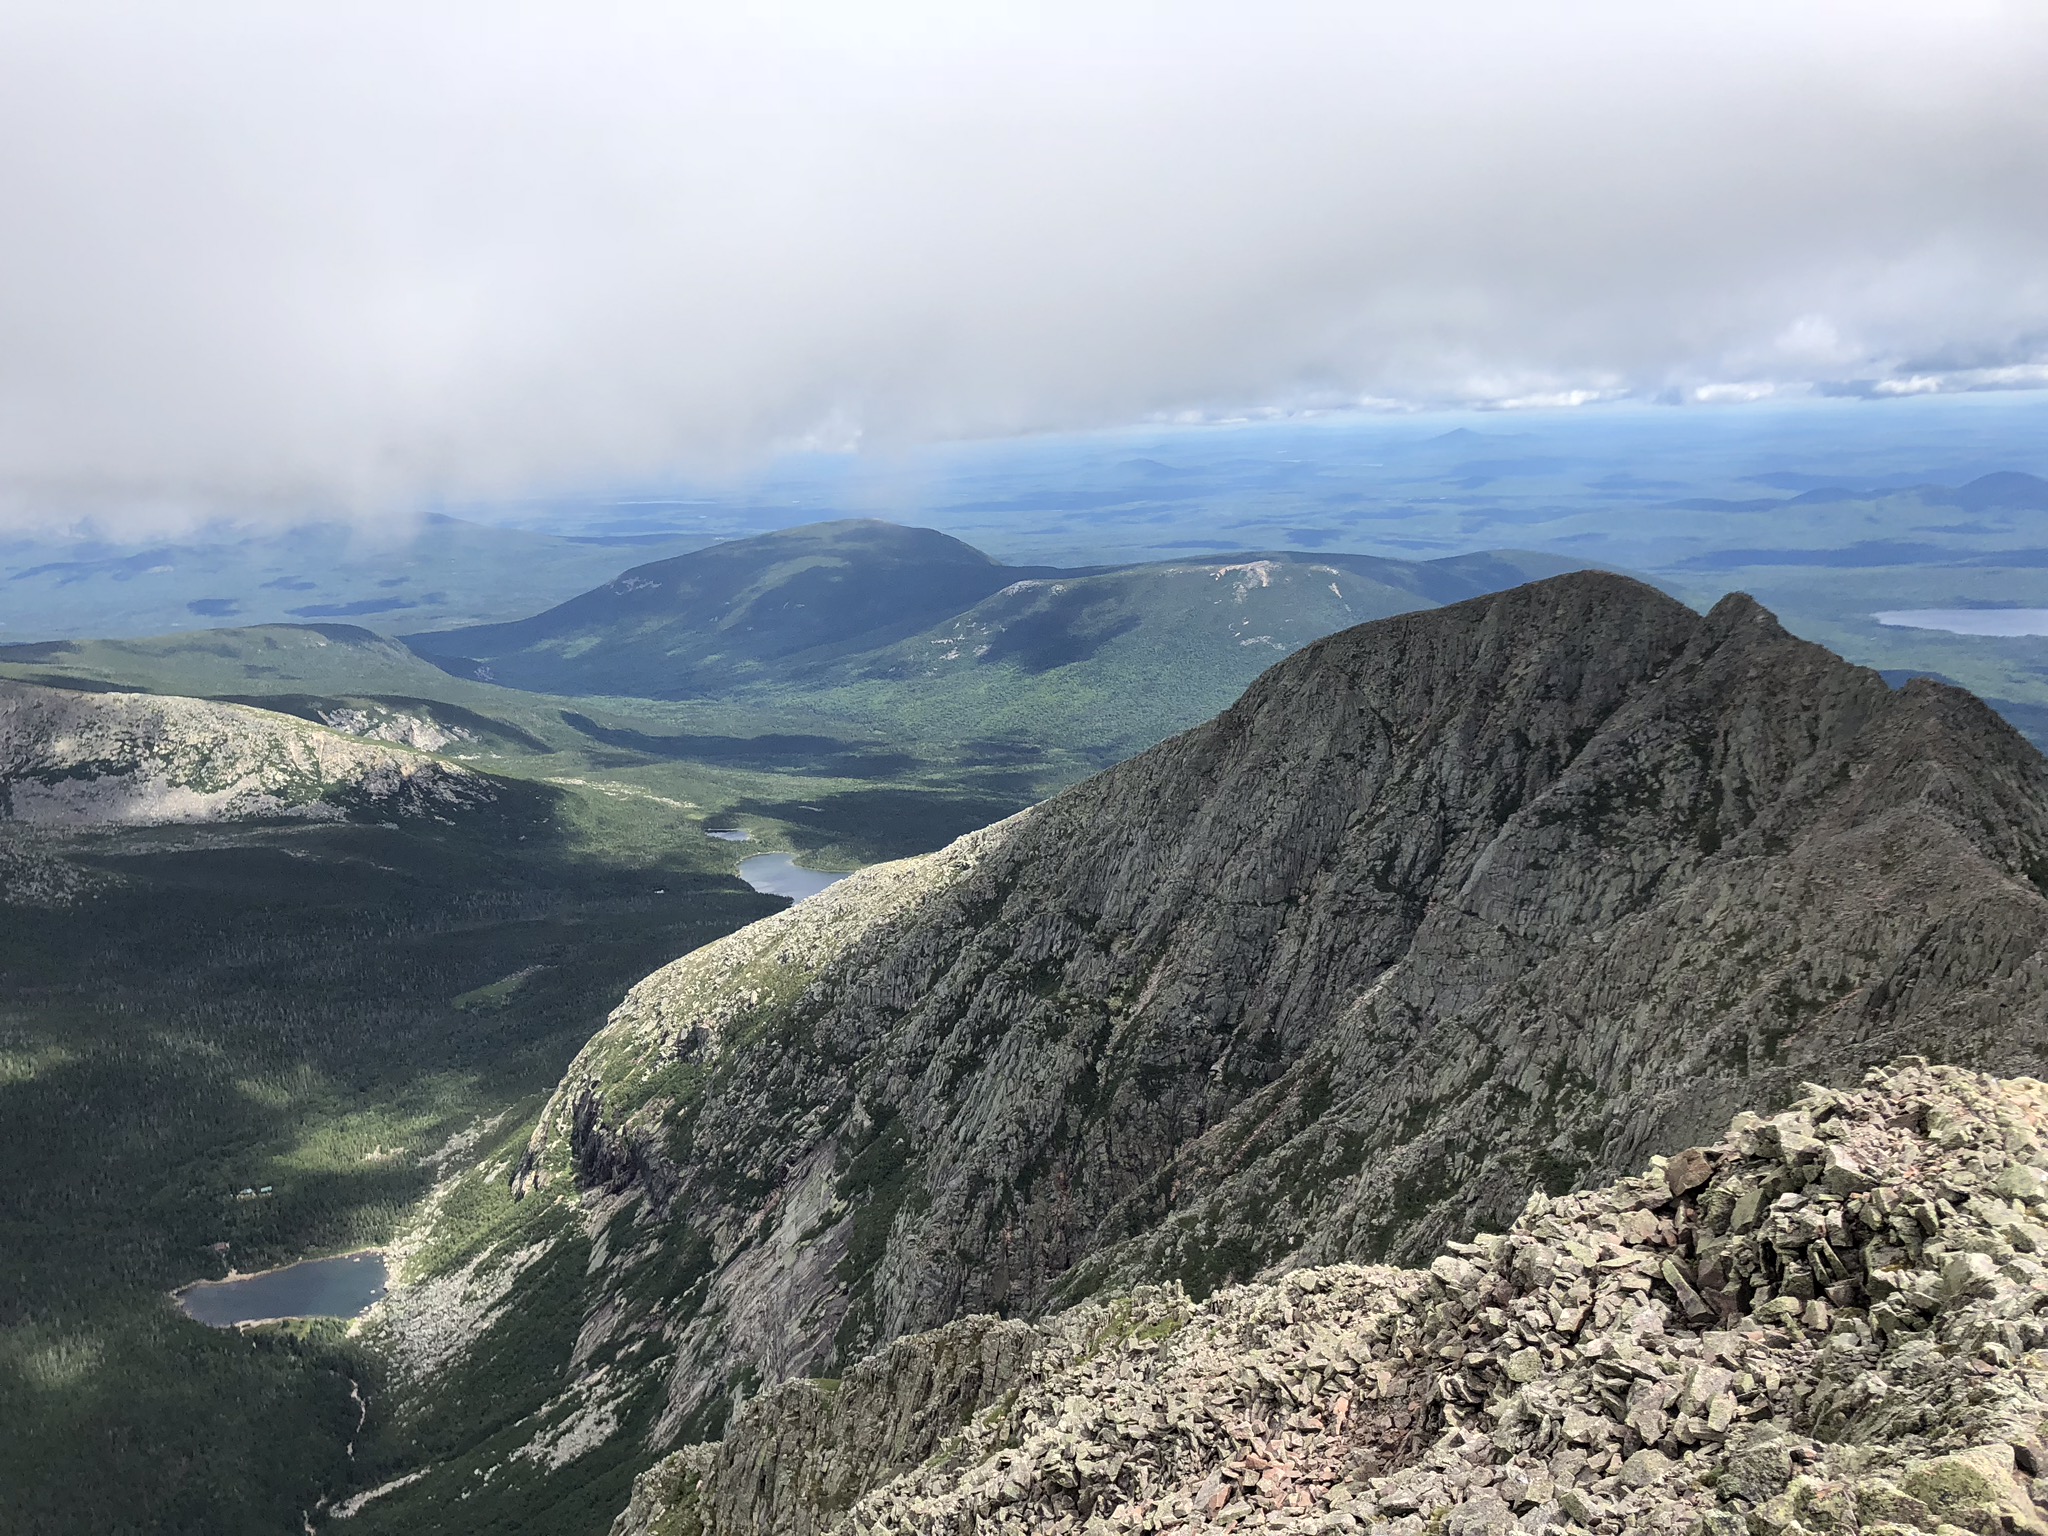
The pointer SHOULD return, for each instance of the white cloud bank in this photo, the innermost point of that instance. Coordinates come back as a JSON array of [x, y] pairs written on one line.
[[347, 255]]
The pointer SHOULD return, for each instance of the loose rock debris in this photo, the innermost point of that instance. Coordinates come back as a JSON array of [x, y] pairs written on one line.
[[1832, 1321]]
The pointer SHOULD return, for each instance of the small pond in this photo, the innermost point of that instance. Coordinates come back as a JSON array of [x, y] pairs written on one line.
[[347, 1286], [730, 834], [778, 874]]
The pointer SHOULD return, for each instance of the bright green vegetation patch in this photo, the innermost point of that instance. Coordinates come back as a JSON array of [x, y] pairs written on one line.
[[496, 994]]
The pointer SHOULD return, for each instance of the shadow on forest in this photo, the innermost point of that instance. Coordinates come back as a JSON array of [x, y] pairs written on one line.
[[251, 1005]]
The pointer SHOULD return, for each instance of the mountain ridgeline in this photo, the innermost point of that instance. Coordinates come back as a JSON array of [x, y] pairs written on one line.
[[1501, 897], [713, 617], [857, 600]]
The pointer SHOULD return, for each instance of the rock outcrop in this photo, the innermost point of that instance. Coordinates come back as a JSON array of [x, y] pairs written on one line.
[[1832, 1320], [1504, 896], [70, 759]]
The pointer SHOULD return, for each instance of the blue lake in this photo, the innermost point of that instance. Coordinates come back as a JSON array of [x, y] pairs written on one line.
[[778, 874], [344, 1287], [1969, 621]]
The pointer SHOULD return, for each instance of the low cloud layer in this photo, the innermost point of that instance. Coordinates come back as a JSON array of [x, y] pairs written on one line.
[[292, 259]]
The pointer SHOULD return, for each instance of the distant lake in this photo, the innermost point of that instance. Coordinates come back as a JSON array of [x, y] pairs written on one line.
[[778, 874], [343, 1287], [1969, 621], [730, 834]]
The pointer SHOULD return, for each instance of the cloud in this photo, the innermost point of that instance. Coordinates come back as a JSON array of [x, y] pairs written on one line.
[[286, 260]]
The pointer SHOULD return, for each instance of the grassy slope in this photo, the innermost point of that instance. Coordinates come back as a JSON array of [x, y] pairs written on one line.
[[639, 771]]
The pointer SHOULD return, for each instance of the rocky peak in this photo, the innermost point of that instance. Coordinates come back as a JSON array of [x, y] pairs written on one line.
[[1503, 896]]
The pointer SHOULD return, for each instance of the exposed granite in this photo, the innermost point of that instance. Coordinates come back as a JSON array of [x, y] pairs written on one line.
[[70, 759]]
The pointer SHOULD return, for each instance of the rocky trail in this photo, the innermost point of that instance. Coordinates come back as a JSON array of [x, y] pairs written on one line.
[[1831, 1320]]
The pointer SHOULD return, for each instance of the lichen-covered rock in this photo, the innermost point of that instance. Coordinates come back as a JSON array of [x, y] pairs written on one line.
[[1386, 1400]]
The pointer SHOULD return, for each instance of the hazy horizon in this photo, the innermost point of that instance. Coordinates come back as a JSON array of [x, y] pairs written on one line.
[[281, 266]]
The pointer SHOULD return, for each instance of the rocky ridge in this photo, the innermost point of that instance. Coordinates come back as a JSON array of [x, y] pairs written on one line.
[[70, 759], [1831, 1320], [1504, 896]]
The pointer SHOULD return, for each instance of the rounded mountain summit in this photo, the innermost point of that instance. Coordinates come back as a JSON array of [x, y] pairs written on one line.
[[724, 615]]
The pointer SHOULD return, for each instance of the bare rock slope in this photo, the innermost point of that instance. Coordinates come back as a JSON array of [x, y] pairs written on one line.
[[1832, 1320], [90, 759], [1449, 907]]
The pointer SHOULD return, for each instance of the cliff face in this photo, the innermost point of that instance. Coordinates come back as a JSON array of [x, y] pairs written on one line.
[[1450, 907], [1830, 1321], [93, 759]]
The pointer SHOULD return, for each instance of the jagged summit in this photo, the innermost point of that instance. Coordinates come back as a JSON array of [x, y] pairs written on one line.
[[1504, 896]]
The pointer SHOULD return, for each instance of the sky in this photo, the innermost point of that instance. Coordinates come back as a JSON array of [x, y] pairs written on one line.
[[279, 262]]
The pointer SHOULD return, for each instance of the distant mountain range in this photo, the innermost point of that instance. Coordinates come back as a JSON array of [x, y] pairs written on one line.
[[443, 570], [1999, 492], [874, 620], [2002, 491]]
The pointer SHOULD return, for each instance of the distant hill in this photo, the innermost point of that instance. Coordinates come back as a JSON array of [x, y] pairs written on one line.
[[96, 759], [2006, 491], [1116, 660], [910, 625], [739, 612]]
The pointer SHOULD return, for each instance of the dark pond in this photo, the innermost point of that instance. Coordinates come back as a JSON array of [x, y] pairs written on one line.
[[778, 874], [343, 1287]]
